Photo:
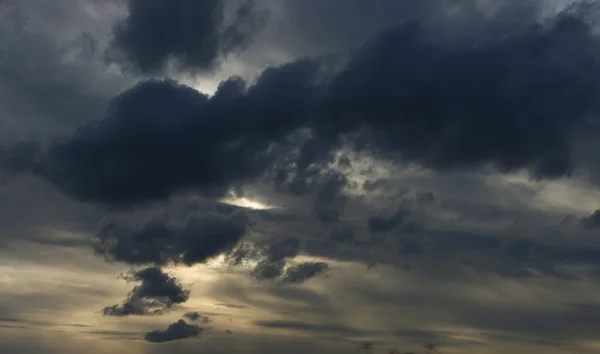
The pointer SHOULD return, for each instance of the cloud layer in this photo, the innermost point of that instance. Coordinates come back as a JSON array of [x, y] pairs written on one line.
[[405, 95]]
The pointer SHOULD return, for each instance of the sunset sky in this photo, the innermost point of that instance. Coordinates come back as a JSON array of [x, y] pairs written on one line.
[[299, 176]]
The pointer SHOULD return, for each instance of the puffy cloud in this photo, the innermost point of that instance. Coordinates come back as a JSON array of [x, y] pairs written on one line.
[[157, 293], [157, 241], [442, 105], [175, 331], [191, 33]]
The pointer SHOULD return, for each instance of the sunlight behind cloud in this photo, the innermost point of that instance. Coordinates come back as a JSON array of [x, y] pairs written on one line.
[[247, 203]]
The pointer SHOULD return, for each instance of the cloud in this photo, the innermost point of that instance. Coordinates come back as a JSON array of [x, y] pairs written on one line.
[[592, 221], [378, 224], [274, 261], [440, 105], [175, 331], [192, 34], [51, 79], [187, 140], [196, 316], [301, 272], [274, 257], [157, 293], [158, 241]]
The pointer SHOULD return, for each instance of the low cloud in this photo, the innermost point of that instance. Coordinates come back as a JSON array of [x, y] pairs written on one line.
[[299, 273], [158, 293], [196, 316], [175, 331], [158, 241]]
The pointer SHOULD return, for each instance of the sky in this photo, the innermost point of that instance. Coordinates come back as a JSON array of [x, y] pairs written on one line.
[[341, 176]]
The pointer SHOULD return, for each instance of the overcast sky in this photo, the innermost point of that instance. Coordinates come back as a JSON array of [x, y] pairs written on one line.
[[323, 176]]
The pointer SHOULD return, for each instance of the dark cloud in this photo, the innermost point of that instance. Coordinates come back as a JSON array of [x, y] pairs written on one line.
[[500, 101], [158, 241], [342, 234], [372, 185], [157, 293], [301, 272], [452, 242], [282, 248], [592, 221], [191, 34], [268, 270], [378, 224], [275, 256], [426, 197], [193, 316], [175, 331], [324, 26], [50, 78], [186, 140], [196, 316], [442, 107]]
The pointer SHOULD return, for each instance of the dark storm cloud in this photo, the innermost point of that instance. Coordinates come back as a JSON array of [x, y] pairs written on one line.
[[191, 33], [161, 137], [175, 331], [459, 107], [498, 101], [157, 293], [201, 237]]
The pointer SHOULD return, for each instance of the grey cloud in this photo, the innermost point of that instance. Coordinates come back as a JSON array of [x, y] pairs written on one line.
[[157, 293], [316, 26], [301, 272], [175, 331], [378, 224], [372, 185], [157, 241], [426, 197], [273, 261], [192, 316], [202, 148], [274, 257], [439, 339], [196, 316], [592, 221], [50, 77], [268, 270], [192, 34], [342, 234], [474, 98]]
